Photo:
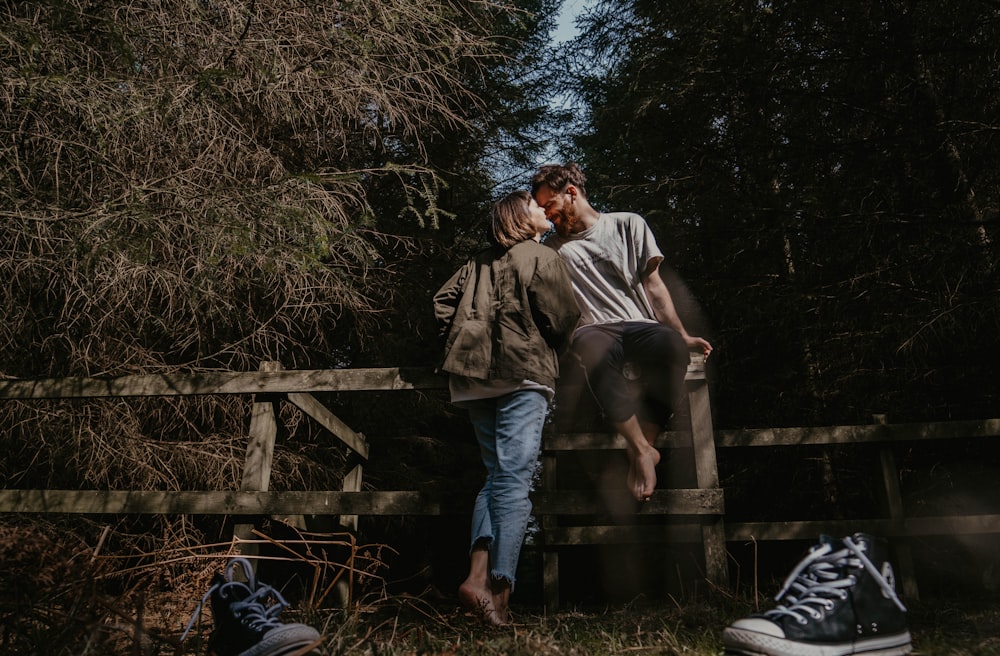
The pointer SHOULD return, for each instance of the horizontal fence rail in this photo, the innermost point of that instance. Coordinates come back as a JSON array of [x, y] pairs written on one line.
[[688, 513], [256, 382], [114, 502], [867, 433]]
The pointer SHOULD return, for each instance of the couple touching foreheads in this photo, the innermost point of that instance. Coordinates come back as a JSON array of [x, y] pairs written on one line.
[[509, 313]]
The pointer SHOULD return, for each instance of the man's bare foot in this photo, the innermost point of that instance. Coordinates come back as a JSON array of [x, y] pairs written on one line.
[[641, 479], [479, 600]]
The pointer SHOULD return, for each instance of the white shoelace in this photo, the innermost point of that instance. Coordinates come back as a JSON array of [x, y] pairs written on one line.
[[252, 609], [811, 588]]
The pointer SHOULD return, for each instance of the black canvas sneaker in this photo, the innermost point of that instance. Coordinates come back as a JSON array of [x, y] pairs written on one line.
[[246, 618], [839, 600]]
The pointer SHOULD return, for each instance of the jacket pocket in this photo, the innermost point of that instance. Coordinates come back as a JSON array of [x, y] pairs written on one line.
[[469, 351], [514, 323]]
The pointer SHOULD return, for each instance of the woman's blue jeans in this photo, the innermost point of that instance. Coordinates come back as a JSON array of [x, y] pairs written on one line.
[[509, 430]]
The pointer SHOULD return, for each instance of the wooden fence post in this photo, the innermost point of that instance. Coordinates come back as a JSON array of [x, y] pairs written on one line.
[[260, 453], [707, 471], [894, 502], [550, 557]]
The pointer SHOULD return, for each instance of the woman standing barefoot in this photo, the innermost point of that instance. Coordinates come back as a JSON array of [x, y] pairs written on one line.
[[505, 315]]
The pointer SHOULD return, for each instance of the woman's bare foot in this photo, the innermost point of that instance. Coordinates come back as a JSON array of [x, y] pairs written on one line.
[[501, 601], [475, 593], [479, 600]]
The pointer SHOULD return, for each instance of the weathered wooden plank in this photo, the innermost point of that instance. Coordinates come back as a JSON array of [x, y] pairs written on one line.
[[713, 537], [944, 430], [260, 446], [560, 536], [680, 502], [702, 438], [905, 569], [312, 407], [318, 380], [800, 436], [249, 382], [420, 503], [229, 502], [912, 526], [352, 483], [260, 453], [608, 440], [663, 502], [820, 435], [550, 558], [707, 474]]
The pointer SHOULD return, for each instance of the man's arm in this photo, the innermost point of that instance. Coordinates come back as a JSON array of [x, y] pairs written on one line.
[[663, 307]]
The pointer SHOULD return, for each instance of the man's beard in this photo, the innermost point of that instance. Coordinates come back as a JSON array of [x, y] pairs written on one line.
[[568, 218]]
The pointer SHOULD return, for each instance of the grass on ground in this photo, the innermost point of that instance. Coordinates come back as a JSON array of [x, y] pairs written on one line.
[[405, 626]]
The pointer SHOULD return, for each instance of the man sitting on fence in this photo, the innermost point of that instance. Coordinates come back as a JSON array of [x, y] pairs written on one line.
[[628, 324]]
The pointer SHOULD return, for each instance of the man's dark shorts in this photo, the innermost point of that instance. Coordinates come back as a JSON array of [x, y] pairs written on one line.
[[633, 368]]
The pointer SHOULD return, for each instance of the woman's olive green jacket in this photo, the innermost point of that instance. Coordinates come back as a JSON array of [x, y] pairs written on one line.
[[507, 315]]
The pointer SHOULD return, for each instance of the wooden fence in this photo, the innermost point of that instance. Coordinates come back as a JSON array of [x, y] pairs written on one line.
[[697, 513]]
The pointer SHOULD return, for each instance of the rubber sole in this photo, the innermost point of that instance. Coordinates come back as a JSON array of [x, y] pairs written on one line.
[[752, 643]]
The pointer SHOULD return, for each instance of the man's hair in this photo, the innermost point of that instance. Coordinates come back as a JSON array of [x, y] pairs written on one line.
[[509, 219], [559, 176]]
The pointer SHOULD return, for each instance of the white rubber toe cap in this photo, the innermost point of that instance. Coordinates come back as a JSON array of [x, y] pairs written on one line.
[[758, 625]]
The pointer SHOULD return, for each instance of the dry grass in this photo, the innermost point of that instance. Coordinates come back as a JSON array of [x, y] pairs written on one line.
[[406, 626], [411, 626], [63, 590], [61, 597]]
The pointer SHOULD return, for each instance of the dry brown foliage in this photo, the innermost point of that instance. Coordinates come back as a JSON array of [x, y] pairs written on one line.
[[65, 596], [184, 186], [184, 183]]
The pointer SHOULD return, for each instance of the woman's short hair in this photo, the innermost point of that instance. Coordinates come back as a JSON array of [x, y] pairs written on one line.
[[509, 219]]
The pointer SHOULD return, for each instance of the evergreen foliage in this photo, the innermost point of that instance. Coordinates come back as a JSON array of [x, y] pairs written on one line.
[[824, 177]]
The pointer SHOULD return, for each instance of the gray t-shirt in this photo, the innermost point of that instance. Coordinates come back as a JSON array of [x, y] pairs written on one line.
[[606, 263]]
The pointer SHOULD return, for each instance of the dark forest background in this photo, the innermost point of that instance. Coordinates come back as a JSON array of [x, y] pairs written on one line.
[[203, 185]]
